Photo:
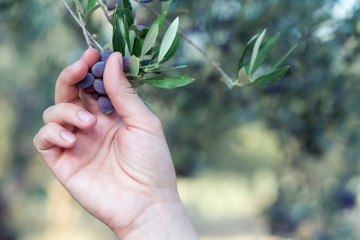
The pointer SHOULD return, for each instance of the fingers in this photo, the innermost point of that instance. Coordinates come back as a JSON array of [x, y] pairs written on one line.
[[124, 98], [69, 114], [53, 135], [66, 90]]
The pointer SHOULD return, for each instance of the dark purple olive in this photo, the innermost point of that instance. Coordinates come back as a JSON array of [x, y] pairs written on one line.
[[105, 56], [87, 82], [98, 69], [96, 95], [126, 64], [99, 86], [111, 4], [105, 105], [89, 90]]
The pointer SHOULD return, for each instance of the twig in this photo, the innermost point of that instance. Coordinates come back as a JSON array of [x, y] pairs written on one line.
[[103, 9], [83, 27], [230, 83], [78, 22]]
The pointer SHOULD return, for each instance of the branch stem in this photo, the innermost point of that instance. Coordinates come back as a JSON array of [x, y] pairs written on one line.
[[83, 27], [79, 23]]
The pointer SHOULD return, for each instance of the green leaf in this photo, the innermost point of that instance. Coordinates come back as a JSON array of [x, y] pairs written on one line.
[[255, 51], [117, 40], [150, 106], [169, 69], [168, 83], [174, 47], [89, 12], [137, 47], [150, 39], [125, 13], [271, 77], [159, 21], [127, 4], [79, 6], [132, 36], [136, 30], [148, 66], [242, 76], [282, 59], [168, 39], [91, 4], [134, 65], [126, 34], [241, 60], [264, 51]]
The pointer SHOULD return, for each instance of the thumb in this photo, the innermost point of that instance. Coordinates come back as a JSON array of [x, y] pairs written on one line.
[[122, 95]]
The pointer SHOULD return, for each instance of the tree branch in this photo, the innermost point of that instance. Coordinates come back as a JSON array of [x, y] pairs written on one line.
[[83, 27], [79, 22], [230, 83]]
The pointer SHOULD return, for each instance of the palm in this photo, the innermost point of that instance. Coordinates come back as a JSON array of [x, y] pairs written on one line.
[[115, 167]]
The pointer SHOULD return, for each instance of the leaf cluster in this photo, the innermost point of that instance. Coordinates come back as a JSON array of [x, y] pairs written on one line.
[[140, 45], [247, 68]]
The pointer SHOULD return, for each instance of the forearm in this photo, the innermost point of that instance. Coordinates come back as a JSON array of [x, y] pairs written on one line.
[[160, 222]]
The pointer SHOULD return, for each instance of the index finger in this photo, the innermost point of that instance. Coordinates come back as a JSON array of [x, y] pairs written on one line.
[[65, 89]]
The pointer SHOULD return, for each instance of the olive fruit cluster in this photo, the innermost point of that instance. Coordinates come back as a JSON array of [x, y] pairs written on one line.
[[147, 1], [93, 82]]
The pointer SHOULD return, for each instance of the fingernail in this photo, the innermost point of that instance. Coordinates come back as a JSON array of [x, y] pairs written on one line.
[[67, 137], [85, 116]]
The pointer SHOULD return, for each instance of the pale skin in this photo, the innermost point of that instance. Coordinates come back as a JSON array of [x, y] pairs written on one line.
[[117, 166]]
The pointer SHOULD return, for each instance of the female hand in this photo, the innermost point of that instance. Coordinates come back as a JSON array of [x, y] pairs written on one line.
[[117, 166]]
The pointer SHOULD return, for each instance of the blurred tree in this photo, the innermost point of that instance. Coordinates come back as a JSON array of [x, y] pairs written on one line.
[[314, 108]]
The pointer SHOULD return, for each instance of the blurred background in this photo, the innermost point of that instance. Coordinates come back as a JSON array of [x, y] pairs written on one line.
[[273, 162]]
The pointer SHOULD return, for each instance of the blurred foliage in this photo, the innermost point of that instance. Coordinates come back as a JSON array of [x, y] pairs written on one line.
[[302, 130]]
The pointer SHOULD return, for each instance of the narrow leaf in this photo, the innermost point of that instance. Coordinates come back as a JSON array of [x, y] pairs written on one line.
[[124, 12], [137, 47], [126, 34], [127, 4], [255, 51], [168, 83], [282, 59], [150, 106], [243, 78], [136, 30], [241, 60], [150, 39], [271, 77], [89, 12], [168, 39], [80, 7], [264, 51], [174, 47], [132, 36], [169, 69], [159, 21], [134, 65], [91, 4], [117, 40]]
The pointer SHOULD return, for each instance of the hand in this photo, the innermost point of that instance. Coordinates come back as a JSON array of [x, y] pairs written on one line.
[[117, 166]]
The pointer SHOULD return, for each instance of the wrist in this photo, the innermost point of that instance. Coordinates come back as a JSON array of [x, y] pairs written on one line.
[[160, 221]]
